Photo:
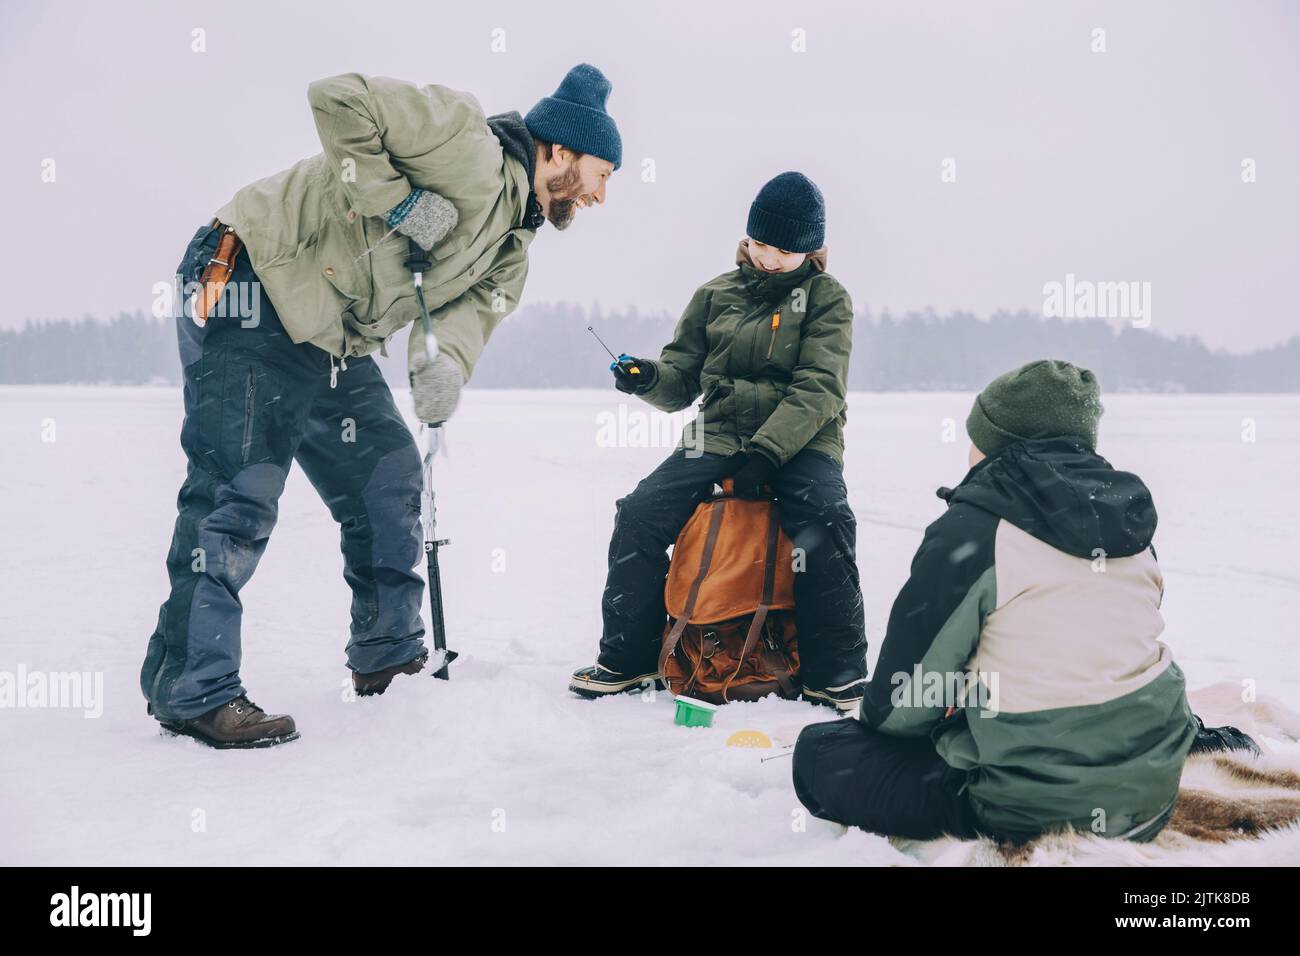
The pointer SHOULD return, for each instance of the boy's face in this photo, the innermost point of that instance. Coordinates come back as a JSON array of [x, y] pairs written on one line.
[[974, 456], [771, 259]]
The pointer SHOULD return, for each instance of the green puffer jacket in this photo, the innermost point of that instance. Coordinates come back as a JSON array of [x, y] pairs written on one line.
[[306, 229], [778, 385]]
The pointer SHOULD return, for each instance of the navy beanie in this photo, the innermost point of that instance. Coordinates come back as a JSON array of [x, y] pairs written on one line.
[[575, 116], [789, 213]]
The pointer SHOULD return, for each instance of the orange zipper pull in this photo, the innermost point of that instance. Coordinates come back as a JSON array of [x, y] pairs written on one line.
[[776, 324]]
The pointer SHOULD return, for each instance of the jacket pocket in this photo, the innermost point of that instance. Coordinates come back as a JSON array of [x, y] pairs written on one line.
[[783, 343], [776, 325], [716, 393], [400, 311], [252, 431], [340, 261], [450, 245]]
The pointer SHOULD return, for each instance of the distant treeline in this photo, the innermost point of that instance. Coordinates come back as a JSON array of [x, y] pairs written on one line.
[[548, 346]]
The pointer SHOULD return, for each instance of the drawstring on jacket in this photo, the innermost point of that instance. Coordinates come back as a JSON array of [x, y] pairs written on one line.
[[335, 369]]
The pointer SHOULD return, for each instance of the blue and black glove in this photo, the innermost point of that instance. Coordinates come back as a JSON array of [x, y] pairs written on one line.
[[633, 375], [753, 470]]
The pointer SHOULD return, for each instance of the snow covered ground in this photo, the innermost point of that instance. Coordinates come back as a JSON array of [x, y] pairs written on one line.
[[501, 764]]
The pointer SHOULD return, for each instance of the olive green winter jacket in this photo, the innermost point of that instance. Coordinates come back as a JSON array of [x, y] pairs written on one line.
[[307, 228], [770, 355]]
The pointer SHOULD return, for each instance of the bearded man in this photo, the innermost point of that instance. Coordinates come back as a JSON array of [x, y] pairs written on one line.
[[296, 281]]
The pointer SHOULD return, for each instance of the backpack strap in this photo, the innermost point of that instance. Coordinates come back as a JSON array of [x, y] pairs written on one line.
[[760, 613], [779, 665], [706, 558], [689, 684]]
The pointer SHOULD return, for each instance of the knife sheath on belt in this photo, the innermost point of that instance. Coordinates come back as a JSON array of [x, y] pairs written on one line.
[[215, 275]]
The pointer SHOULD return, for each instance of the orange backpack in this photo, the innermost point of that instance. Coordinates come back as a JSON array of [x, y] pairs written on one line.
[[730, 598]]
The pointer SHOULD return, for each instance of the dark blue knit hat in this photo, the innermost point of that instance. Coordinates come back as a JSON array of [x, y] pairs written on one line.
[[789, 213], [575, 116]]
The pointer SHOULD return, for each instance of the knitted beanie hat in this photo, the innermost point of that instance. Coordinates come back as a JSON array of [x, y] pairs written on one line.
[[1044, 399], [575, 116], [789, 213]]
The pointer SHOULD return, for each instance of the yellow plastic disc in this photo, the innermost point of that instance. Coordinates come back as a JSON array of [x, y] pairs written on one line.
[[749, 738]]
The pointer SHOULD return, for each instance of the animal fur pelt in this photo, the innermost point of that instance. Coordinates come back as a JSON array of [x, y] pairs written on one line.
[[1233, 809]]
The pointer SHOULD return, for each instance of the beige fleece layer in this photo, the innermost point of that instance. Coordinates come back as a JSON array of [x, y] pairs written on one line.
[[1068, 631]]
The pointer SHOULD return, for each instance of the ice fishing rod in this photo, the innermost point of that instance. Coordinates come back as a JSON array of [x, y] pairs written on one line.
[[432, 544], [417, 260], [618, 359]]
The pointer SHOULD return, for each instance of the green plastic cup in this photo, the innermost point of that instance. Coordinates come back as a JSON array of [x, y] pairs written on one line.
[[694, 713]]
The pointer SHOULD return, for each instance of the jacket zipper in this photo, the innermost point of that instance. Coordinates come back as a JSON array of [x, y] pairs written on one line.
[[249, 395], [776, 324]]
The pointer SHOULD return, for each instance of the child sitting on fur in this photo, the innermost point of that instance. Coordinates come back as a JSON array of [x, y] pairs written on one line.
[[1036, 595]]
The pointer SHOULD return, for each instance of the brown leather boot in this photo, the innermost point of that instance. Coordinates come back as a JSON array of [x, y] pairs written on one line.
[[368, 685], [239, 724]]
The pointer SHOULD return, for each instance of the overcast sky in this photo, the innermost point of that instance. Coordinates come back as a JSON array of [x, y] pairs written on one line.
[[1124, 165]]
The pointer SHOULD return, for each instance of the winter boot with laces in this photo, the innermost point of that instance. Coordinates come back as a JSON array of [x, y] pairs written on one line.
[[368, 685], [239, 724], [596, 681]]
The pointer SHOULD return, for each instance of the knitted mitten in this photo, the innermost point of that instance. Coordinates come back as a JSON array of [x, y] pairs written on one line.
[[435, 387], [425, 217]]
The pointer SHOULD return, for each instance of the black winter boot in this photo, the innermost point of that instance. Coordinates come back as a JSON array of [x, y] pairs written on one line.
[[845, 695], [1221, 740]]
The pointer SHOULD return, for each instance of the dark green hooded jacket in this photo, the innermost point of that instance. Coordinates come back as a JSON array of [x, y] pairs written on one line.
[[778, 384]]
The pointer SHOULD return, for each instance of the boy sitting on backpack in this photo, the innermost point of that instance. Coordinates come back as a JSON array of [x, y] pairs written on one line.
[[1038, 592], [767, 344]]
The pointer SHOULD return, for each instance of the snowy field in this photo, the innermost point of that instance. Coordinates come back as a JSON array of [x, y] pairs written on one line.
[[501, 765]]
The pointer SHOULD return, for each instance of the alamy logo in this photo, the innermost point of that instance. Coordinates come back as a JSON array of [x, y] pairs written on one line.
[[1085, 299], [953, 690], [70, 690], [628, 428], [103, 909]]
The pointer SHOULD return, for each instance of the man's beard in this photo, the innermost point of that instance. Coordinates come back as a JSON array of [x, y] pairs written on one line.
[[564, 190]]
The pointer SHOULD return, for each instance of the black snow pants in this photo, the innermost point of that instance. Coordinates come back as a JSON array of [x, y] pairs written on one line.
[[895, 786], [254, 403], [816, 516]]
